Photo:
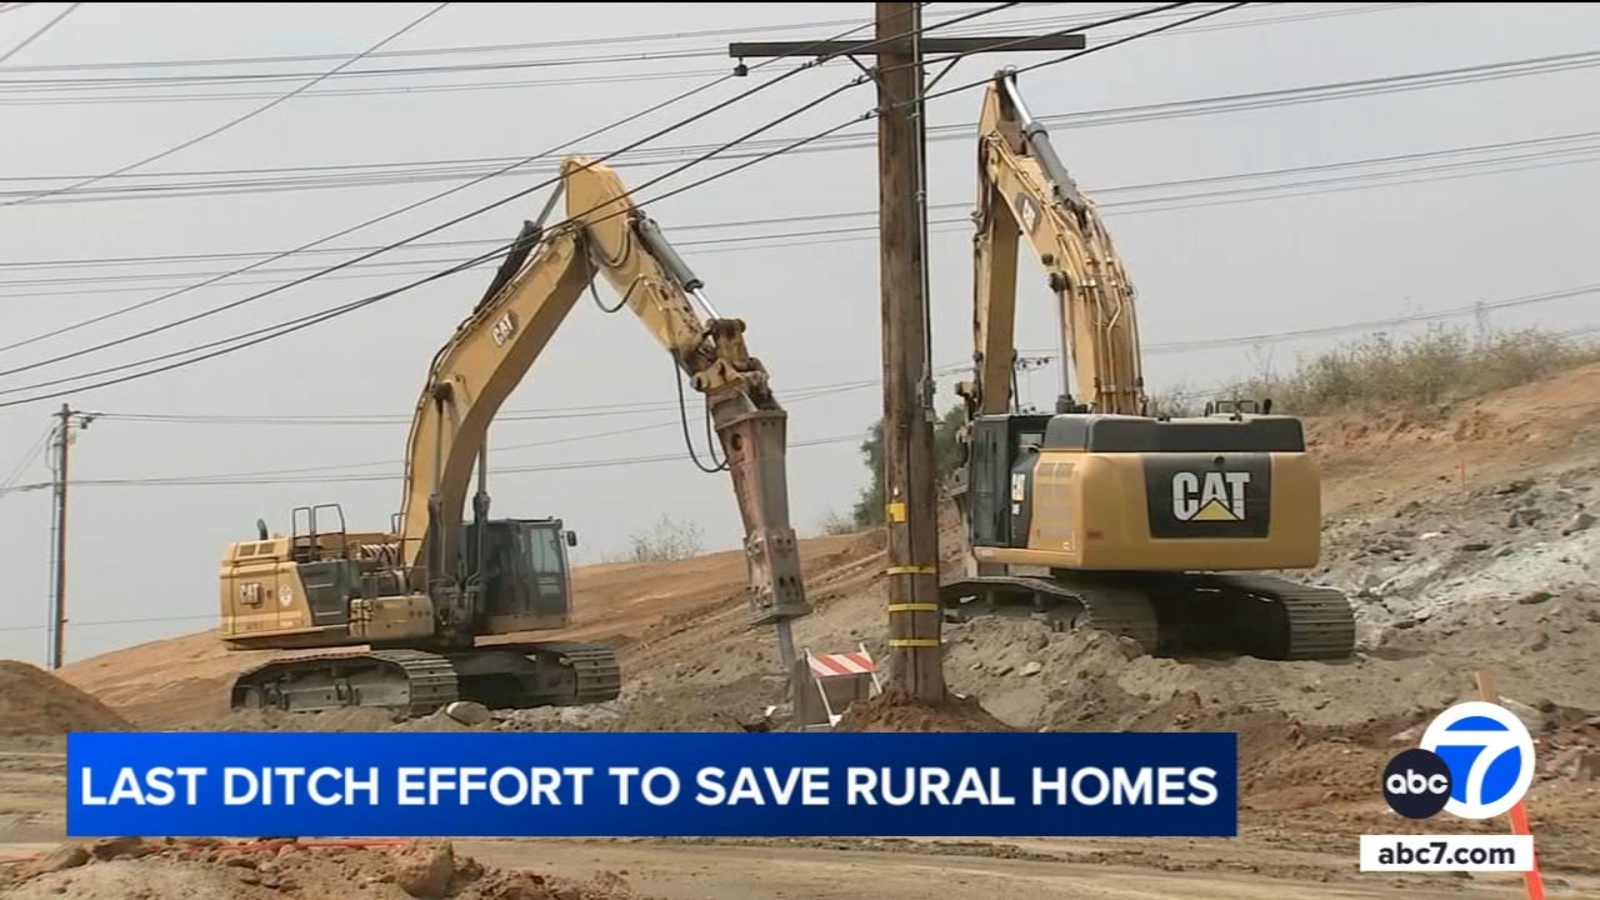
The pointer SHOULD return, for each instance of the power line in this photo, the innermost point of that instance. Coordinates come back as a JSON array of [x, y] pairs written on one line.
[[57, 85], [141, 620], [456, 220], [266, 477], [202, 481], [1081, 53], [648, 138], [342, 232], [794, 240], [19, 98], [335, 312], [598, 40], [239, 120], [1111, 190], [1245, 340], [260, 335], [794, 398], [37, 34], [809, 391], [271, 477], [369, 174], [586, 43], [318, 318], [27, 457], [68, 84], [1349, 184], [419, 88]]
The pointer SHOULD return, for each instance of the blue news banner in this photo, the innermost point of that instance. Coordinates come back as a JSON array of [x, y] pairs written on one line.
[[652, 785]]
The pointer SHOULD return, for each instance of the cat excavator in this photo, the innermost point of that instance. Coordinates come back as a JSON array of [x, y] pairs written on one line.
[[1158, 529], [400, 614]]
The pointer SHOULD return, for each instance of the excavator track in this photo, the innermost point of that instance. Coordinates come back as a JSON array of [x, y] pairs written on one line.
[[1314, 623], [1171, 614], [1106, 607], [595, 667], [412, 683]]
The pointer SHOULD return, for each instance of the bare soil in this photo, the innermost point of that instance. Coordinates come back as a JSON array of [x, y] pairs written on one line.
[[32, 701], [1465, 536], [118, 868]]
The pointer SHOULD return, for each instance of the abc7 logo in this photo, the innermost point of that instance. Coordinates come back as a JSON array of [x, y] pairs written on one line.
[[1475, 762]]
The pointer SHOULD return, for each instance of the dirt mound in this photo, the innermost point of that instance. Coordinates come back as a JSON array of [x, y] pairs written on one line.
[[894, 710], [207, 869], [32, 701]]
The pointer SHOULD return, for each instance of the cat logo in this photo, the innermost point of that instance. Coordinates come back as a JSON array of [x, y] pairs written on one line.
[[504, 329], [1211, 497], [1030, 212]]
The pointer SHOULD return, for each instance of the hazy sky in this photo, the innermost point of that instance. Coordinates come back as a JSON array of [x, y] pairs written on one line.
[[1439, 231]]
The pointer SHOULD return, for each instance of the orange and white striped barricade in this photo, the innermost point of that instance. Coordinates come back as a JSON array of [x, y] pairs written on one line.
[[840, 679]]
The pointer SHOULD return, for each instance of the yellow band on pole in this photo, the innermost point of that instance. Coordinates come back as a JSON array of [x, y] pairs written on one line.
[[912, 570], [913, 607], [913, 642], [897, 512]]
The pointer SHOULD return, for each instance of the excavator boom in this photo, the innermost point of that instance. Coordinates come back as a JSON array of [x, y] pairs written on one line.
[[1023, 188]]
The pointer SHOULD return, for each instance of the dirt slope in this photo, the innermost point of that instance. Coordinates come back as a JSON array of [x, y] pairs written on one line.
[[1395, 457], [183, 681], [681, 625]]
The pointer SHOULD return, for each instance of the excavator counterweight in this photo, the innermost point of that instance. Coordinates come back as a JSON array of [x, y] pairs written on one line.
[[399, 614], [1160, 530]]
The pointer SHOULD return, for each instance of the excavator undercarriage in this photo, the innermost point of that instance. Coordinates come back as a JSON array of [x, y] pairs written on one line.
[[1172, 614], [415, 682]]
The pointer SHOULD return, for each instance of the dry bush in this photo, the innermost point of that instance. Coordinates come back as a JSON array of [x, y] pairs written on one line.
[[666, 541], [1437, 367]]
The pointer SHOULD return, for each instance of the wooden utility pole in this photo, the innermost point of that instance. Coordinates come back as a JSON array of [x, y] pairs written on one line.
[[912, 512], [916, 660], [58, 527]]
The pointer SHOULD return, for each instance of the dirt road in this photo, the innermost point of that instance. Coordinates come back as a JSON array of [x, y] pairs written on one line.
[[838, 869], [887, 870]]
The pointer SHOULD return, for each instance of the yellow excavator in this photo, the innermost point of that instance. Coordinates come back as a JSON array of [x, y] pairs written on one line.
[[402, 610], [1154, 528]]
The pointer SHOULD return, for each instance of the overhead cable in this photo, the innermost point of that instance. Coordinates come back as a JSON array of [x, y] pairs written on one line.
[[454, 221]]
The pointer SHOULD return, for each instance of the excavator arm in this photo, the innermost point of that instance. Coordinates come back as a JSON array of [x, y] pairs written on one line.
[[543, 276], [1024, 188]]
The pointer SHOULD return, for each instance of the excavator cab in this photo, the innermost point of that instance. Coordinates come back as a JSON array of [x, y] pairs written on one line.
[[526, 573], [1003, 452]]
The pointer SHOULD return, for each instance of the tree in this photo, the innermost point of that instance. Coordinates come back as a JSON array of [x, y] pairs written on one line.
[[946, 457]]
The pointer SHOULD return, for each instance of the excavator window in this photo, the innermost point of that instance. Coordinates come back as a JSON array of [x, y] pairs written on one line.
[[543, 548]]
